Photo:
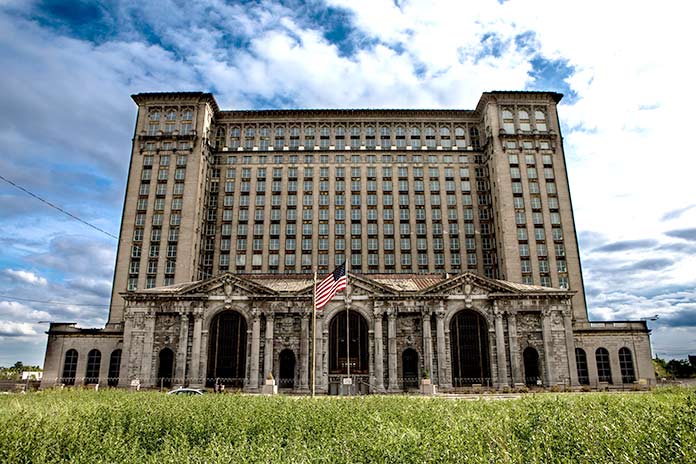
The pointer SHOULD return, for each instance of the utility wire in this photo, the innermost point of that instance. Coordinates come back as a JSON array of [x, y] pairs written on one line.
[[57, 207], [14, 298]]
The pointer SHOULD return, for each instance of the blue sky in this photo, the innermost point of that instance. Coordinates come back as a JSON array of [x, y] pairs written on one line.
[[69, 68]]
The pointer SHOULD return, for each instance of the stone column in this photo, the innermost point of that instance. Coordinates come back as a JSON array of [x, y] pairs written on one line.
[[548, 345], [442, 378], [500, 346], [379, 349], [268, 347], [148, 378], [197, 379], [318, 364], [183, 345], [570, 344], [427, 342], [391, 333], [254, 361], [304, 352], [514, 349]]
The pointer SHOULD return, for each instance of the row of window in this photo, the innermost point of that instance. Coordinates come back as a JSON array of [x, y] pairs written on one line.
[[169, 128], [94, 359], [523, 120], [604, 366], [340, 158], [165, 146], [170, 114], [340, 172]]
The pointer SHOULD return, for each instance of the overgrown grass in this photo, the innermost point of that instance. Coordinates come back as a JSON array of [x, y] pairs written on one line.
[[117, 426]]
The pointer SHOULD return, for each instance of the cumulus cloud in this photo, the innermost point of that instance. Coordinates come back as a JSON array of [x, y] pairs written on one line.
[[25, 276], [16, 329]]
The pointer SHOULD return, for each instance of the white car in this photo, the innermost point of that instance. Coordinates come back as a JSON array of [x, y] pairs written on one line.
[[185, 391]]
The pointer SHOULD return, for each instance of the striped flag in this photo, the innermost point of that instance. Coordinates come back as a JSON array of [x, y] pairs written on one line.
[[327, 288]]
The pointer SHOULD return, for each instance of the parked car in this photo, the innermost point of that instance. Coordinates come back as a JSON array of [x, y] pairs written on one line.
[[185, 391]]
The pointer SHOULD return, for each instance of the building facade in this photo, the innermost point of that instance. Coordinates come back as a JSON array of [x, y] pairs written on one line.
[[456, 227]]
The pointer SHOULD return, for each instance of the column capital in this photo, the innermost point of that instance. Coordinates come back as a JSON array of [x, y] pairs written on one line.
[[378, 308], [391, 313], [440, 313]]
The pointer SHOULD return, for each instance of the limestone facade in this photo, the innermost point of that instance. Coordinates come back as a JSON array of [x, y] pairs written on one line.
[[276, 311], [456, 227]]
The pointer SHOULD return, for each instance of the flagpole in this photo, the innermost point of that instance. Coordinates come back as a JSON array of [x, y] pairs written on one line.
[[314, 334], [348, 340]]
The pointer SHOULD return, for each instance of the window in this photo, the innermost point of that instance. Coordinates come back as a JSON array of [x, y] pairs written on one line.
[[508, 122], [603, 366], [626, 364], [69, 367], [540, 121], [581, 362]]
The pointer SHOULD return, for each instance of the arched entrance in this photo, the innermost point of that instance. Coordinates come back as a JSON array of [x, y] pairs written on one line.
[[469, 348], [340, 353], [165, 368], [531, 366], [227, 349], [286, 377], [409, 362]]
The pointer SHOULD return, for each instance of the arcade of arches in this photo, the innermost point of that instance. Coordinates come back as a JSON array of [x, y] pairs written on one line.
[[459, 332]]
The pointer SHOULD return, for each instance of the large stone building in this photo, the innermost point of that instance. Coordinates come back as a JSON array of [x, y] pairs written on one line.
[[456, 227]]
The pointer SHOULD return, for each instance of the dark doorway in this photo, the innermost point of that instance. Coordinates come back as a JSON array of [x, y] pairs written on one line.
[[166, 368], [531, 366], [469, 348], [227, 349], [409, 360], [338, 348], [286, 377]]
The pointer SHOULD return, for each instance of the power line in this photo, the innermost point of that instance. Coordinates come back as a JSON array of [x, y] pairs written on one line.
[[57, 207], [64, 303]]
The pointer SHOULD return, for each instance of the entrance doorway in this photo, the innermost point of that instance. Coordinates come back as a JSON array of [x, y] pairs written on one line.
[[227, 350], [531, 366], [166, 368], [286, 377], [409, 360], [469, 348]]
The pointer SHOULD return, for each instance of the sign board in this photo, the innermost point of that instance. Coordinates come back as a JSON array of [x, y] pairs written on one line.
[[347, 381]]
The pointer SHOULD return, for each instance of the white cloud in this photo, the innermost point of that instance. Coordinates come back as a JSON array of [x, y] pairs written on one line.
[[25, 276], [21, 312], [16, 329]]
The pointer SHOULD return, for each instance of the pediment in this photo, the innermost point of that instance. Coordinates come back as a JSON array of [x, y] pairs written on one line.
[[227, 285], [467, 284], [361, 285]]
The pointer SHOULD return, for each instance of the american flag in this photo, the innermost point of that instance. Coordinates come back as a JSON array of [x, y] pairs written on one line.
[[327, 288]]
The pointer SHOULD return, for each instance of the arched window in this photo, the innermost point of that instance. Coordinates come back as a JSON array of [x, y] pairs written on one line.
[[603, 366], [114, 368], [154, 115], [628, 374], [69, 367], [460, 135], [415, 138], [93, 365], [581, 362], [469, 348], [187, 115], [171, 115]]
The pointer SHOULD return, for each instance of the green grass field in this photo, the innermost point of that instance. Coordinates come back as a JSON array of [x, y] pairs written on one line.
[[118, 426]]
